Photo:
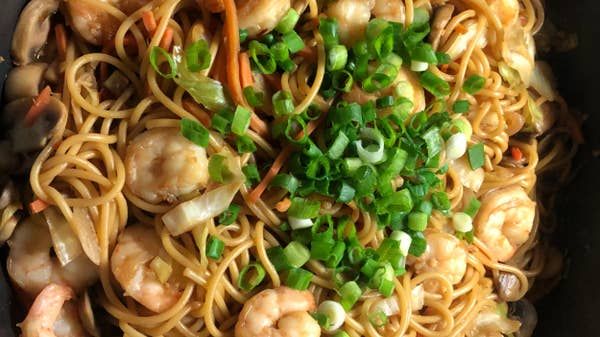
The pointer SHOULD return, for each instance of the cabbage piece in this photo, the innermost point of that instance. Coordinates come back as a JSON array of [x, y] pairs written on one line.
[[518, 51], [542, 80], [66, 244]]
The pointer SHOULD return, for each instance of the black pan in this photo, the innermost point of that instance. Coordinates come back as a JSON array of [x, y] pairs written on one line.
[[572, 309]]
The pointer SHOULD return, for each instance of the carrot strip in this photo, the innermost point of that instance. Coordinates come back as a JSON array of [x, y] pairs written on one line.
[[61, 40], [232, 39], [38, 205], [149, 22], [197, 111], [167, 39], [245, 71], [281, 159], [39, 104], [283, 205], [516, 153]]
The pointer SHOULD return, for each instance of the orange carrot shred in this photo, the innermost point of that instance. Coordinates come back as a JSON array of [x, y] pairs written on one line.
[[39, 103], [516, 153], [37, 206], [232, 39], [245, 71], [61, 40], [283, 205], [167, 39], [149, 22], [197, 111]]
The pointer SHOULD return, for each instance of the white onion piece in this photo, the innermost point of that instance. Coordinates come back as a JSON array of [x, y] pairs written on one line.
[[66, 244], [297, 223], [456, 146], [417, 297], [389, 306], [335, 312], [418, 66], [462, 222], [404, 239]]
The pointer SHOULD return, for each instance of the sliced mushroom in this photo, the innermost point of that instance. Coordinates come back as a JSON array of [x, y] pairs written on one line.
[[86, 315], [24, 81], [508, 287], [32, 30], [26, 138], [440, 20]]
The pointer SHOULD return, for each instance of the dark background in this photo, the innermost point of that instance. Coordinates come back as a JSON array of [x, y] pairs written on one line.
[[572, 309]]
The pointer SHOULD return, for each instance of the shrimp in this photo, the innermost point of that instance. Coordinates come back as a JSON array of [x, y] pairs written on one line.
[[405, 85], [51, 315], [445, 254], [31, 267], [279, 312], [136, 247], [390, 10], [94, 25], [162, 165], [505, 220], [352, 17], [469, 178], [507, 11], [261, 16]]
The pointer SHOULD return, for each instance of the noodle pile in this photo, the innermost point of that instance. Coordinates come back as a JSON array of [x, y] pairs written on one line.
[[82, 172]]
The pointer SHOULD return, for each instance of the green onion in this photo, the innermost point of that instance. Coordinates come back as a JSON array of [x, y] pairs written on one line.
[[293, 41], [298, 278], [218, 170], [424, 53], [287, 65], [329, 31], [345, 113], [336, 150], [336, 255], [296, 254], [288, 22], [243, 35], [304, 209], [418, 244], [375, 28], [337, 57], [220, 123], [268, 39], [378, 319], [441, 202], [385, 102], [384, 76], [443, 58], [254, 98], [214, 248], [245, 144], [434, 142], [461, 106], [350, 293], [417, 221], [367, 178], [251, 276], [262, 57], [155, 52], [286, 181], [341, 333], [241, 120], [346, 193], [251, 173], [351, 165], [473, 84], [323, 320], [472, 207], [319, 249], [197, 56], [342, 80], [229, 215], [283, 103], [278, 258], [420, 16], [373, 153], [476, 155], [194, 132], [280, 52], [435, 85]]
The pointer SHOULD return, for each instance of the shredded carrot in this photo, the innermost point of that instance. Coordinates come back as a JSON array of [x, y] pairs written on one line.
[[167, 39], [39, 104], [516, 153], [245, 71], [232, 39], [197, 111], [149, 22], [38, 205], [281, 159], [283, 205], [461, 29], [61, 40]]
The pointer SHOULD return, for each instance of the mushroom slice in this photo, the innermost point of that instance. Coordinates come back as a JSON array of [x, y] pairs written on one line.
[[26, 138], [24, 81], [440, 20], [32, 30]]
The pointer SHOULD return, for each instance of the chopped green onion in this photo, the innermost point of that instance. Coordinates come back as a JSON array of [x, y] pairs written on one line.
[[420, 16], [383, 76], [155, 52], [198, 56], [418, 245], [286, 181], [278, 259], [404, 239], [461, 106], [385, 102], [341, 333], [245, 144], [373, 153], [214, 248], [462, 222], [335, 314], [220, 123], [280, 52], [342, 80], [194, 132], [251, 173], [218, 170], [473, 84], [283, 103], [262, 57], [254, 98], [304, 208], [336, 150], [251, 276], [476, 156], [440, 201], [268, 39], [418, 66], [243, 35], [456, 146], [288, 22], [337, 57], [435, 85], [417, 221], [329, 31], [378, 319], [350, 293], [347, 193], [472, 207], [298, 278], [293, 41], [323, 320], [443, 58], [336, 255], [241, 120], [424, 53], [433, 141], [297, 254], [229, 215]]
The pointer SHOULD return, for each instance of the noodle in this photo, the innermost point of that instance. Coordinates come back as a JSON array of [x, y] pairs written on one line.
[[84, 169]]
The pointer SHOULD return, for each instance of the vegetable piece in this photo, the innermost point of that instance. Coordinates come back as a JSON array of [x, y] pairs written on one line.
[[372, 153], [334, 312], [473, 84], [293, 41], [456, 146], [476, 156], [461, 106], [337, 57], [304, 209], [288, 22], [298, 278], [204, 90], [435, 85], [194, 132], [39, 105], [198, 56], [157, 52], [350, 293], [229, 215], [241, 121], [251, 276], [37, 206], [296, 254], [65, 243], [149, 22], [214, 248], [162, 269], [462, 222]]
